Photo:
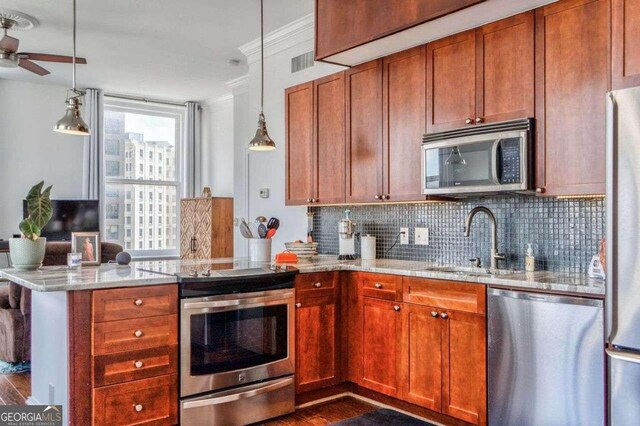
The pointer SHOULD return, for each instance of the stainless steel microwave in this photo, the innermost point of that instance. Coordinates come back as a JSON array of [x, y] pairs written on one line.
[[481, 159]]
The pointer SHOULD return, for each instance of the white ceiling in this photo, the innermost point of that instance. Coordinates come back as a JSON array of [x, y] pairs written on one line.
[[166, 49]]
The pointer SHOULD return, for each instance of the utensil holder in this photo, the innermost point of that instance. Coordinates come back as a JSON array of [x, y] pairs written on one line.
[[260, 250]]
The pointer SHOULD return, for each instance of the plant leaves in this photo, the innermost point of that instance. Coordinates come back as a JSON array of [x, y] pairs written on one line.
[[39, 205], [29, 229]]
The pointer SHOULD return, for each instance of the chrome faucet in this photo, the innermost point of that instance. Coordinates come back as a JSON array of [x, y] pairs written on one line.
[[495, 256]]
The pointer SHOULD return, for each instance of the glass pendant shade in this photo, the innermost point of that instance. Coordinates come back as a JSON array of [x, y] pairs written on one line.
[[72, 123], [262, 141]]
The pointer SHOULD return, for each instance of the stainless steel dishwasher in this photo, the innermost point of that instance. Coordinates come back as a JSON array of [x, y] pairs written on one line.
[[545, 359]]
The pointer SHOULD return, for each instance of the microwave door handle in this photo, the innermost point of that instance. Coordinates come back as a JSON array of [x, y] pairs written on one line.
[[494, 161]]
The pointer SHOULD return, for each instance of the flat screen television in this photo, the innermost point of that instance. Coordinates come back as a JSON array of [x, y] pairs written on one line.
[[70, 216]]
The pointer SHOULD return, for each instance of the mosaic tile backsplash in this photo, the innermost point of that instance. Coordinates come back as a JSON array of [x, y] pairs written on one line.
[[565, 234]]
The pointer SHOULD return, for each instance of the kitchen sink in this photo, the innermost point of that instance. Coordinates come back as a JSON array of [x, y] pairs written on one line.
[[470, 271]]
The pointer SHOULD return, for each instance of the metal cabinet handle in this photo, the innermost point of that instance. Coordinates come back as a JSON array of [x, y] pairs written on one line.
[[540, 190], [378, 197], [317, 285], [385, 197], [444, 315], [138, 302], [468, 121], [298, 305], [479, 120], [137, 333], [434, 314], [138, 364], [314, 200], [138, 407], [396, 308], [308, 200], [193, 245], [378, 285]]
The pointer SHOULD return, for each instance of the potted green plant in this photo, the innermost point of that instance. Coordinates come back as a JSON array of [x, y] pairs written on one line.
[[27, 252]]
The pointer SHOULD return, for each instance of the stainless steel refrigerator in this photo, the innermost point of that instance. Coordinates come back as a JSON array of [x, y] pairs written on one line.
[[623, 256]]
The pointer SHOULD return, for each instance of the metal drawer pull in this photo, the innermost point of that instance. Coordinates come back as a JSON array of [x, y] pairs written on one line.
[[468, 121], [137, 333], [317, 285], [138, 364], [298, 305], [138, 407], [396, 308], [138, 302], [444, 315], [238, 396], [434, 314], [378, 285]]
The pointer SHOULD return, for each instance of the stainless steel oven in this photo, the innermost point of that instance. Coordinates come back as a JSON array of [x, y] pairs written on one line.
[[480, 159], [231, 340]]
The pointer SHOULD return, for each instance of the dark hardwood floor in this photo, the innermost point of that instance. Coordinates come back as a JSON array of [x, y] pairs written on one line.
[[15, 388], [324, 413]]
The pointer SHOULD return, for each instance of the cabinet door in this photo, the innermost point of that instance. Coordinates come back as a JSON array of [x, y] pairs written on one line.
[[504, 83], [464, 367], [403, 123], [451, 82], [299, 141], [422, 356], [316, 350], [626, 43], [330, 148], [572, 78], [381, 337], [364, 132]]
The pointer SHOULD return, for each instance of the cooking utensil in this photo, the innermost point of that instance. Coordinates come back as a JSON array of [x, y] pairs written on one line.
[[270, 233], [261, 219], [262, 231], [244, 228], [274, 223]]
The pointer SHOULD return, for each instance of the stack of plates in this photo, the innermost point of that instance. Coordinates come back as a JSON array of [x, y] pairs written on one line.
[[303, 250]]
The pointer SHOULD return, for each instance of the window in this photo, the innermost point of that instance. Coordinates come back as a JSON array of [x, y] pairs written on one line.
[[152, 135]]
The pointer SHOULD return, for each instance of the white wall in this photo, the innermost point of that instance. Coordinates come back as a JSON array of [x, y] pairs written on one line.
[[267, 169], [217, 146], [30, 151]]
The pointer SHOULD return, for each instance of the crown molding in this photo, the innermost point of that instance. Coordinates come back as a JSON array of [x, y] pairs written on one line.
[[293, 33]]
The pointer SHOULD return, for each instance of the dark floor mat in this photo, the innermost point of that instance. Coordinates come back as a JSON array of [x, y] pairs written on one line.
[[382, 417]]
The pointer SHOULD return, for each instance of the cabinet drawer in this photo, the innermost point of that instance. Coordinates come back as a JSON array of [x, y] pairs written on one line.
[[143, 402], [316, 284], [443, 294], [136, 334], [380, 286], [137, 302], [129, 366]]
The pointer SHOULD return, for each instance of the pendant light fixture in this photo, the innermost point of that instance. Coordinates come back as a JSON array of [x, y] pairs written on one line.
[[72, 123], [262, 141]]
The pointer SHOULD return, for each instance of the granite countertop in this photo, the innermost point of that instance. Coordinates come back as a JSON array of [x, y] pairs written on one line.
[[60, 278]]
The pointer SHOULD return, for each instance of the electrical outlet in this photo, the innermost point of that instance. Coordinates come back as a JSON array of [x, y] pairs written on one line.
[[404, 235], [264, 192], [421, 236]]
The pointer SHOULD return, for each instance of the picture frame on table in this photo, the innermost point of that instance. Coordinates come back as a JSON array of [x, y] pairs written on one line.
[[87, 243]]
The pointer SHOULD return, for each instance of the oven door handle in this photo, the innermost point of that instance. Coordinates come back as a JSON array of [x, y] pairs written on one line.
[[237, 396], [235, 302]]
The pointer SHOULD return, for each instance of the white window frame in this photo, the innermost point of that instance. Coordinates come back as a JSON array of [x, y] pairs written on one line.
[[158, 110]]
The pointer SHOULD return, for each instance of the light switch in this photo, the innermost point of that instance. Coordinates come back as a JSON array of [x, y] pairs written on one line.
[[421, 236], [264, 192]]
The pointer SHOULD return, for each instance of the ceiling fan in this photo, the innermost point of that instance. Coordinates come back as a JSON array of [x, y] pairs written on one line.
[[9, 55]]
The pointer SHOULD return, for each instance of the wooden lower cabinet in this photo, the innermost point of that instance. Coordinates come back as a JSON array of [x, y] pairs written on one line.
[[381, 341]]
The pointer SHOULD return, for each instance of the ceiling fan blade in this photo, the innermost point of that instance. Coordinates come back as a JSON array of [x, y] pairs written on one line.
[[9, 44], [33, 67], [52, 58]]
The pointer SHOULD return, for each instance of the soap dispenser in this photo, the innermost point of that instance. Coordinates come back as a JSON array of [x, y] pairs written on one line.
[[529, 260]]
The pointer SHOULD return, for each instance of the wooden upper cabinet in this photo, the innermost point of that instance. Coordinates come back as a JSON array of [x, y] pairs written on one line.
[[422, 356], [626, 43], [364, 132], [329, 136], [299, 143], [464, 393], [342, 25], [403, 124], [505, 69], [572, 78], [451, 82], [381, 342]]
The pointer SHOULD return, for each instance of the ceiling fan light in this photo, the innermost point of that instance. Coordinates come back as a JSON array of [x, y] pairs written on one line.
[[9, 60], [262, 141], [72, 122]]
